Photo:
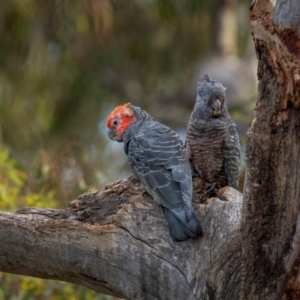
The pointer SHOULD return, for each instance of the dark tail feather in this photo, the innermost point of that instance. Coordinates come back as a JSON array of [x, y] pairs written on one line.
[[180, 229]]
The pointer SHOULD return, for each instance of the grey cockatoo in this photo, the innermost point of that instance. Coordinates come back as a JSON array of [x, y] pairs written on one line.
[[157, 158]]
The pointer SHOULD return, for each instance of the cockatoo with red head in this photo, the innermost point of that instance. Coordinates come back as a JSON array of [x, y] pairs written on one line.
[[157, 158]]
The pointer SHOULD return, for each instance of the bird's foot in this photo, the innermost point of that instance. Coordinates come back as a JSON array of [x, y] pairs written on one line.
[[145, 194], [210, 189]]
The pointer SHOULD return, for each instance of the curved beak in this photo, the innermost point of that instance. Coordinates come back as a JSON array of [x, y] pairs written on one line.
[[216, 106], [111, 134], [114, 136]]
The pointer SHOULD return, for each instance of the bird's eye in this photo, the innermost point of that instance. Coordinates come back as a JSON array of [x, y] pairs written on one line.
[[115, 122]]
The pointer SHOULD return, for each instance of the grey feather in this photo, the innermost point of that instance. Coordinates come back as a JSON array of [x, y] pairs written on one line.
[[157, 158], [206, 78], [232, 155]]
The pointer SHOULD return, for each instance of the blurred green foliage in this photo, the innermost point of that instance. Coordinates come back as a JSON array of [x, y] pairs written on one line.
[[15, 193], [13, 287], [63, 65], [13, 181]]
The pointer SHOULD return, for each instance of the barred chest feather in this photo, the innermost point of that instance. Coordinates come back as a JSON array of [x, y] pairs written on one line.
[[206, 148]]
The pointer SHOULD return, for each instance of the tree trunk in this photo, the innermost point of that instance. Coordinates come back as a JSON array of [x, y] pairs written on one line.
[[270, 225], [116, 241]]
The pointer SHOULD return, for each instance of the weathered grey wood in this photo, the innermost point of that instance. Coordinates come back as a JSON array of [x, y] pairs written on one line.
[[270, 229], [116, 242], [287, 15]]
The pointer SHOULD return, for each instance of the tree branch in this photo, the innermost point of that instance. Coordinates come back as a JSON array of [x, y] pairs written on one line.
[[117, 242]]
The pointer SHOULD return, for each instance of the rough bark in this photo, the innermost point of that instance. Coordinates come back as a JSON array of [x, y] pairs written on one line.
[[270, 225], [117, 242]]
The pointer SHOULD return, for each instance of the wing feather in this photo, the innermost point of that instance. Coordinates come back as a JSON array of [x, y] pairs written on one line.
[[232, 155], [157, 157]]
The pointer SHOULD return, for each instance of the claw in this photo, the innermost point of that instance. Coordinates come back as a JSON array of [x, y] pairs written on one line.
[[145, 193], [210, 189]]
